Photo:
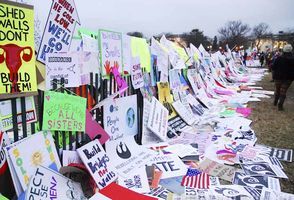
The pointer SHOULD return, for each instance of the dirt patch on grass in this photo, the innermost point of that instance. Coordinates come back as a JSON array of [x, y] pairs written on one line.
[[275, 128]]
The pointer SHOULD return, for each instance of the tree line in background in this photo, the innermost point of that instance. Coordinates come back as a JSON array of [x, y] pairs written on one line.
[[234, 33]]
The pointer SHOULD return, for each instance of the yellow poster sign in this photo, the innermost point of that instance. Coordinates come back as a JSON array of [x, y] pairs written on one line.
[[17, 52], [165, 97]]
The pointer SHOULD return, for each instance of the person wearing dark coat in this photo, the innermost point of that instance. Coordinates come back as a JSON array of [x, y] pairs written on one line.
[[283, 75]]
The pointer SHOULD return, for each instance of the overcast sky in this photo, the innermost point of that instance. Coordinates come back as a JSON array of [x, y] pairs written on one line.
[[156, 16]]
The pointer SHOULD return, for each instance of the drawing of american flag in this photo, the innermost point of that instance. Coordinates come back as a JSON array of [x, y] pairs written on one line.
[[196, 179]]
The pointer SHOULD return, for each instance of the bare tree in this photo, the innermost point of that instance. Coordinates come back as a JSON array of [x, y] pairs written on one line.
[[259, 32], [234, 33]]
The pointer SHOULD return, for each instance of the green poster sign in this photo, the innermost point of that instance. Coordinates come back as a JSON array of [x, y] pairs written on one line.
[[63, 112]]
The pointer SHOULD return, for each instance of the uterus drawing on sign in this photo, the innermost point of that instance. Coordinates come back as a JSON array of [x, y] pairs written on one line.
[[14, 55]]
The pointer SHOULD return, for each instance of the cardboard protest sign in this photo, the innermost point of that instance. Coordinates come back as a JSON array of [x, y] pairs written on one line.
[[148, 137], [170, 164], [4, 141], [110, 51], [17, 63], [89, 63], [158, 118], [59, 29], [63, 112], [162, 58], [94, 130], [47, 184], [97, 163], [126, 156], [120, 117], [136, 73], [219, 170], [6, 113], [27, 154], [62, 65], [165, 97], [141, 48]]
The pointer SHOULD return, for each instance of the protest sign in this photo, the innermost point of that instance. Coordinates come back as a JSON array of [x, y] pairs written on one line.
[[90, 44], [263, 169], [126, 156], [157, 121], [136, 73], [97, 163], [170, 164], [219, 170], [47, 184], [137, 182], [59, 29], [69, 157], [94, 130], [281, 154], [4, 141], [127, 53], [62, 65], [110, 51], [63, 112], [120, 117], [6, 113], [256, 181], [148, 137], [17, 63], [26, 157], [120, 82], [140, 48]]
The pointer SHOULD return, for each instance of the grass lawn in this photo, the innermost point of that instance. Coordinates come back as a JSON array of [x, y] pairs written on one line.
[[275, 128]]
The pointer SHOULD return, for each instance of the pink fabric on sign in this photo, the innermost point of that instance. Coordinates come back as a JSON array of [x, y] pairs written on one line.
[[244, 111], [121, 83], [94, 129]]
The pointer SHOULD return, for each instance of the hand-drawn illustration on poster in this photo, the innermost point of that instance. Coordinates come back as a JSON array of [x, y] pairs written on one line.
[[17, 63], [110, 51], [62, 65], [120, 117]]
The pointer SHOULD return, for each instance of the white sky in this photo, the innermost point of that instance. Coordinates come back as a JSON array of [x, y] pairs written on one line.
[[156, 16]]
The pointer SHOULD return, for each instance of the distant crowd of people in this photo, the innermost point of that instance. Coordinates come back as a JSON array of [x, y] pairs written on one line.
[[281, 64]]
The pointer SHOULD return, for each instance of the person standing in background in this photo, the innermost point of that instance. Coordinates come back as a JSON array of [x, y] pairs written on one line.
[[283, 75]]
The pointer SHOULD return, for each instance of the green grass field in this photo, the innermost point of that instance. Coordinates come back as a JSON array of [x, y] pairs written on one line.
[[275, 128]]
